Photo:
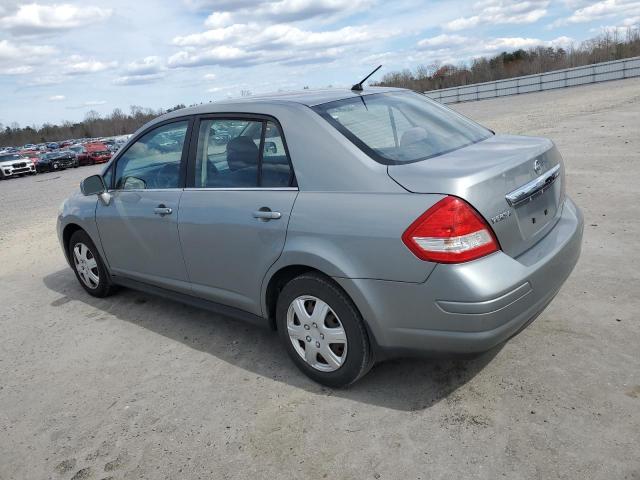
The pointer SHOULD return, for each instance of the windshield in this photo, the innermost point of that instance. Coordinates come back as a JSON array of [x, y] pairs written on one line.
[[9, 158], [404, 127]]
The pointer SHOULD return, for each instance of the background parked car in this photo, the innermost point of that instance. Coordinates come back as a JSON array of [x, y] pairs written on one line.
[[98, 153], [14, 164], [53, 161]]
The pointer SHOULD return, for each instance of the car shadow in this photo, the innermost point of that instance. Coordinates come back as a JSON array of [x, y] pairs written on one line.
[[400, 384]]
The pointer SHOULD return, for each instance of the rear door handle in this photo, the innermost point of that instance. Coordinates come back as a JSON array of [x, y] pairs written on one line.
[[162, 210], [266, 214]]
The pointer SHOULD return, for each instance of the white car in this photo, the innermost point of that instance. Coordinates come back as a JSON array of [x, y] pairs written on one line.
[[14, 164]]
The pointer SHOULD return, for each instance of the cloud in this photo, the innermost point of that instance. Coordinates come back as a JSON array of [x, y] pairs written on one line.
[[56, 98], [600, 10], [87, 104], [43, 80], [20, 58], [146, 66], [227, 12], [443, 40], [223, 55], [218, 19], [138, 72], [20, 70], [496, 12], [210, 76], [35, 18], [472, 47], [297, 10], [22, 52], [77, 65], [249, 44], [138, 79], [631, 22]]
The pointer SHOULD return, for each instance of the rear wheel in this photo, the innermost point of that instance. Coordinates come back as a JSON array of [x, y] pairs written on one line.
[[322, 330], [88, 266]]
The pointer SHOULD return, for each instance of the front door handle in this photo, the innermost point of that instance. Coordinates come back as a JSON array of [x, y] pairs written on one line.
[[162, 210], [266, 214]]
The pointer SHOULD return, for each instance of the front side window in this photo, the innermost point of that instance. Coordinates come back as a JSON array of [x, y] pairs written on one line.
[[240, 153], [108, 176], [153, 161], [396, 128]]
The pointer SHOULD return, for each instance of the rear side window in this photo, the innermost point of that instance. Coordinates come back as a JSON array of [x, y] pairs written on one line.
[[396, 128], [240, 153]]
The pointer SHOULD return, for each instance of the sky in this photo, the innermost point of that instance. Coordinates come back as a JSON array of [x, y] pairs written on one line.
[[58, 60]]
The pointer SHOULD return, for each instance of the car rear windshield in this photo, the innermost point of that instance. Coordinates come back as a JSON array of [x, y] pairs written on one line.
[[403, 127]]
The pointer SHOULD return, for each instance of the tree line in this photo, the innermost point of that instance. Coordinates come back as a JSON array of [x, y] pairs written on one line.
[[610, 45], [116, 123]]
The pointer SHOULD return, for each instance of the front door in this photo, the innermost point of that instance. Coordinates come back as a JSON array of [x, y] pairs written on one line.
[[234, 212], [139, 227]]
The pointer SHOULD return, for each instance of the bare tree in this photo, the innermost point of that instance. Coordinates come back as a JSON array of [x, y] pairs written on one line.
[[610, 45]]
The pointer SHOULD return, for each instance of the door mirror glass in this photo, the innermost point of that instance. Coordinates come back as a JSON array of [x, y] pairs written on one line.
[[270, 147], [133, 183], [93, 185]]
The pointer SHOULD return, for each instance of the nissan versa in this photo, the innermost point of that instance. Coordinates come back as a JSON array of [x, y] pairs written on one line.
[[358, 224]]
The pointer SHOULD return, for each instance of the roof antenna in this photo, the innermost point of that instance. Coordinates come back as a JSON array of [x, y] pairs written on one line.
[[358, 86]]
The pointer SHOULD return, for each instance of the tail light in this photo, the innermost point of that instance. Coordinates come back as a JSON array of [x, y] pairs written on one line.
[[451, 231]]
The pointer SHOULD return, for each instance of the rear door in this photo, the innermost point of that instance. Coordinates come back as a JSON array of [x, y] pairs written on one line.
[[139, 227], [236, 207]]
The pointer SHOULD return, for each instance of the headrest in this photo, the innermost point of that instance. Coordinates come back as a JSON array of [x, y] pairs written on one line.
[[242, 152]]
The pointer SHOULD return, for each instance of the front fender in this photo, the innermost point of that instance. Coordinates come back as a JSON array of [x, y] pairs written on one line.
[[80, 210]]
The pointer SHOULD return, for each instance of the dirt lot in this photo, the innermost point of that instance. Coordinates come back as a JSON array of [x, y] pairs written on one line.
[[138, 387]]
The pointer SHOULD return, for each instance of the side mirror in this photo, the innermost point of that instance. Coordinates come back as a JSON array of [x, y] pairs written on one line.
[[93, 185]]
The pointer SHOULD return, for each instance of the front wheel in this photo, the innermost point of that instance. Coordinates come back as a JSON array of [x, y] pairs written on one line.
[[88, 266], [323, 331]]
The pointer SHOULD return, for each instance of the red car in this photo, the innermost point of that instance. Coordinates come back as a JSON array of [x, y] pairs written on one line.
[[32, 155], [91, 153]]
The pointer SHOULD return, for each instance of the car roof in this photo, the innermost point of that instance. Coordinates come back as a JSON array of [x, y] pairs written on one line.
[[309, 98]]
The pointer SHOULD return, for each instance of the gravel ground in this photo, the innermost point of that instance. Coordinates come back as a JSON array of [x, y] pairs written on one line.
[[135, 386]]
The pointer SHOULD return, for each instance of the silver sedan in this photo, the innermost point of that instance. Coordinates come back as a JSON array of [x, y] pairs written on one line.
[[358, 224]]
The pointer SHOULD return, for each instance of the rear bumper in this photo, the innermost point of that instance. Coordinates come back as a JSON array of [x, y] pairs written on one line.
[[470, 307]]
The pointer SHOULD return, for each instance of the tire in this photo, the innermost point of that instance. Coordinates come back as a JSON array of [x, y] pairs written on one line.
[[351, 359], [102, 287]]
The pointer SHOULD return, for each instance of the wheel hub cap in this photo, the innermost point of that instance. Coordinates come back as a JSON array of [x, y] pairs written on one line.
[[316, 333], [86, 265]]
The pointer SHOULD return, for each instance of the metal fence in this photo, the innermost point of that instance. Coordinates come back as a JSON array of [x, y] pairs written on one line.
[[599, 72]]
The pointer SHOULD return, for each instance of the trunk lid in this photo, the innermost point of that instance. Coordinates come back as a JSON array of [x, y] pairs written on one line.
[[528, 170]]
